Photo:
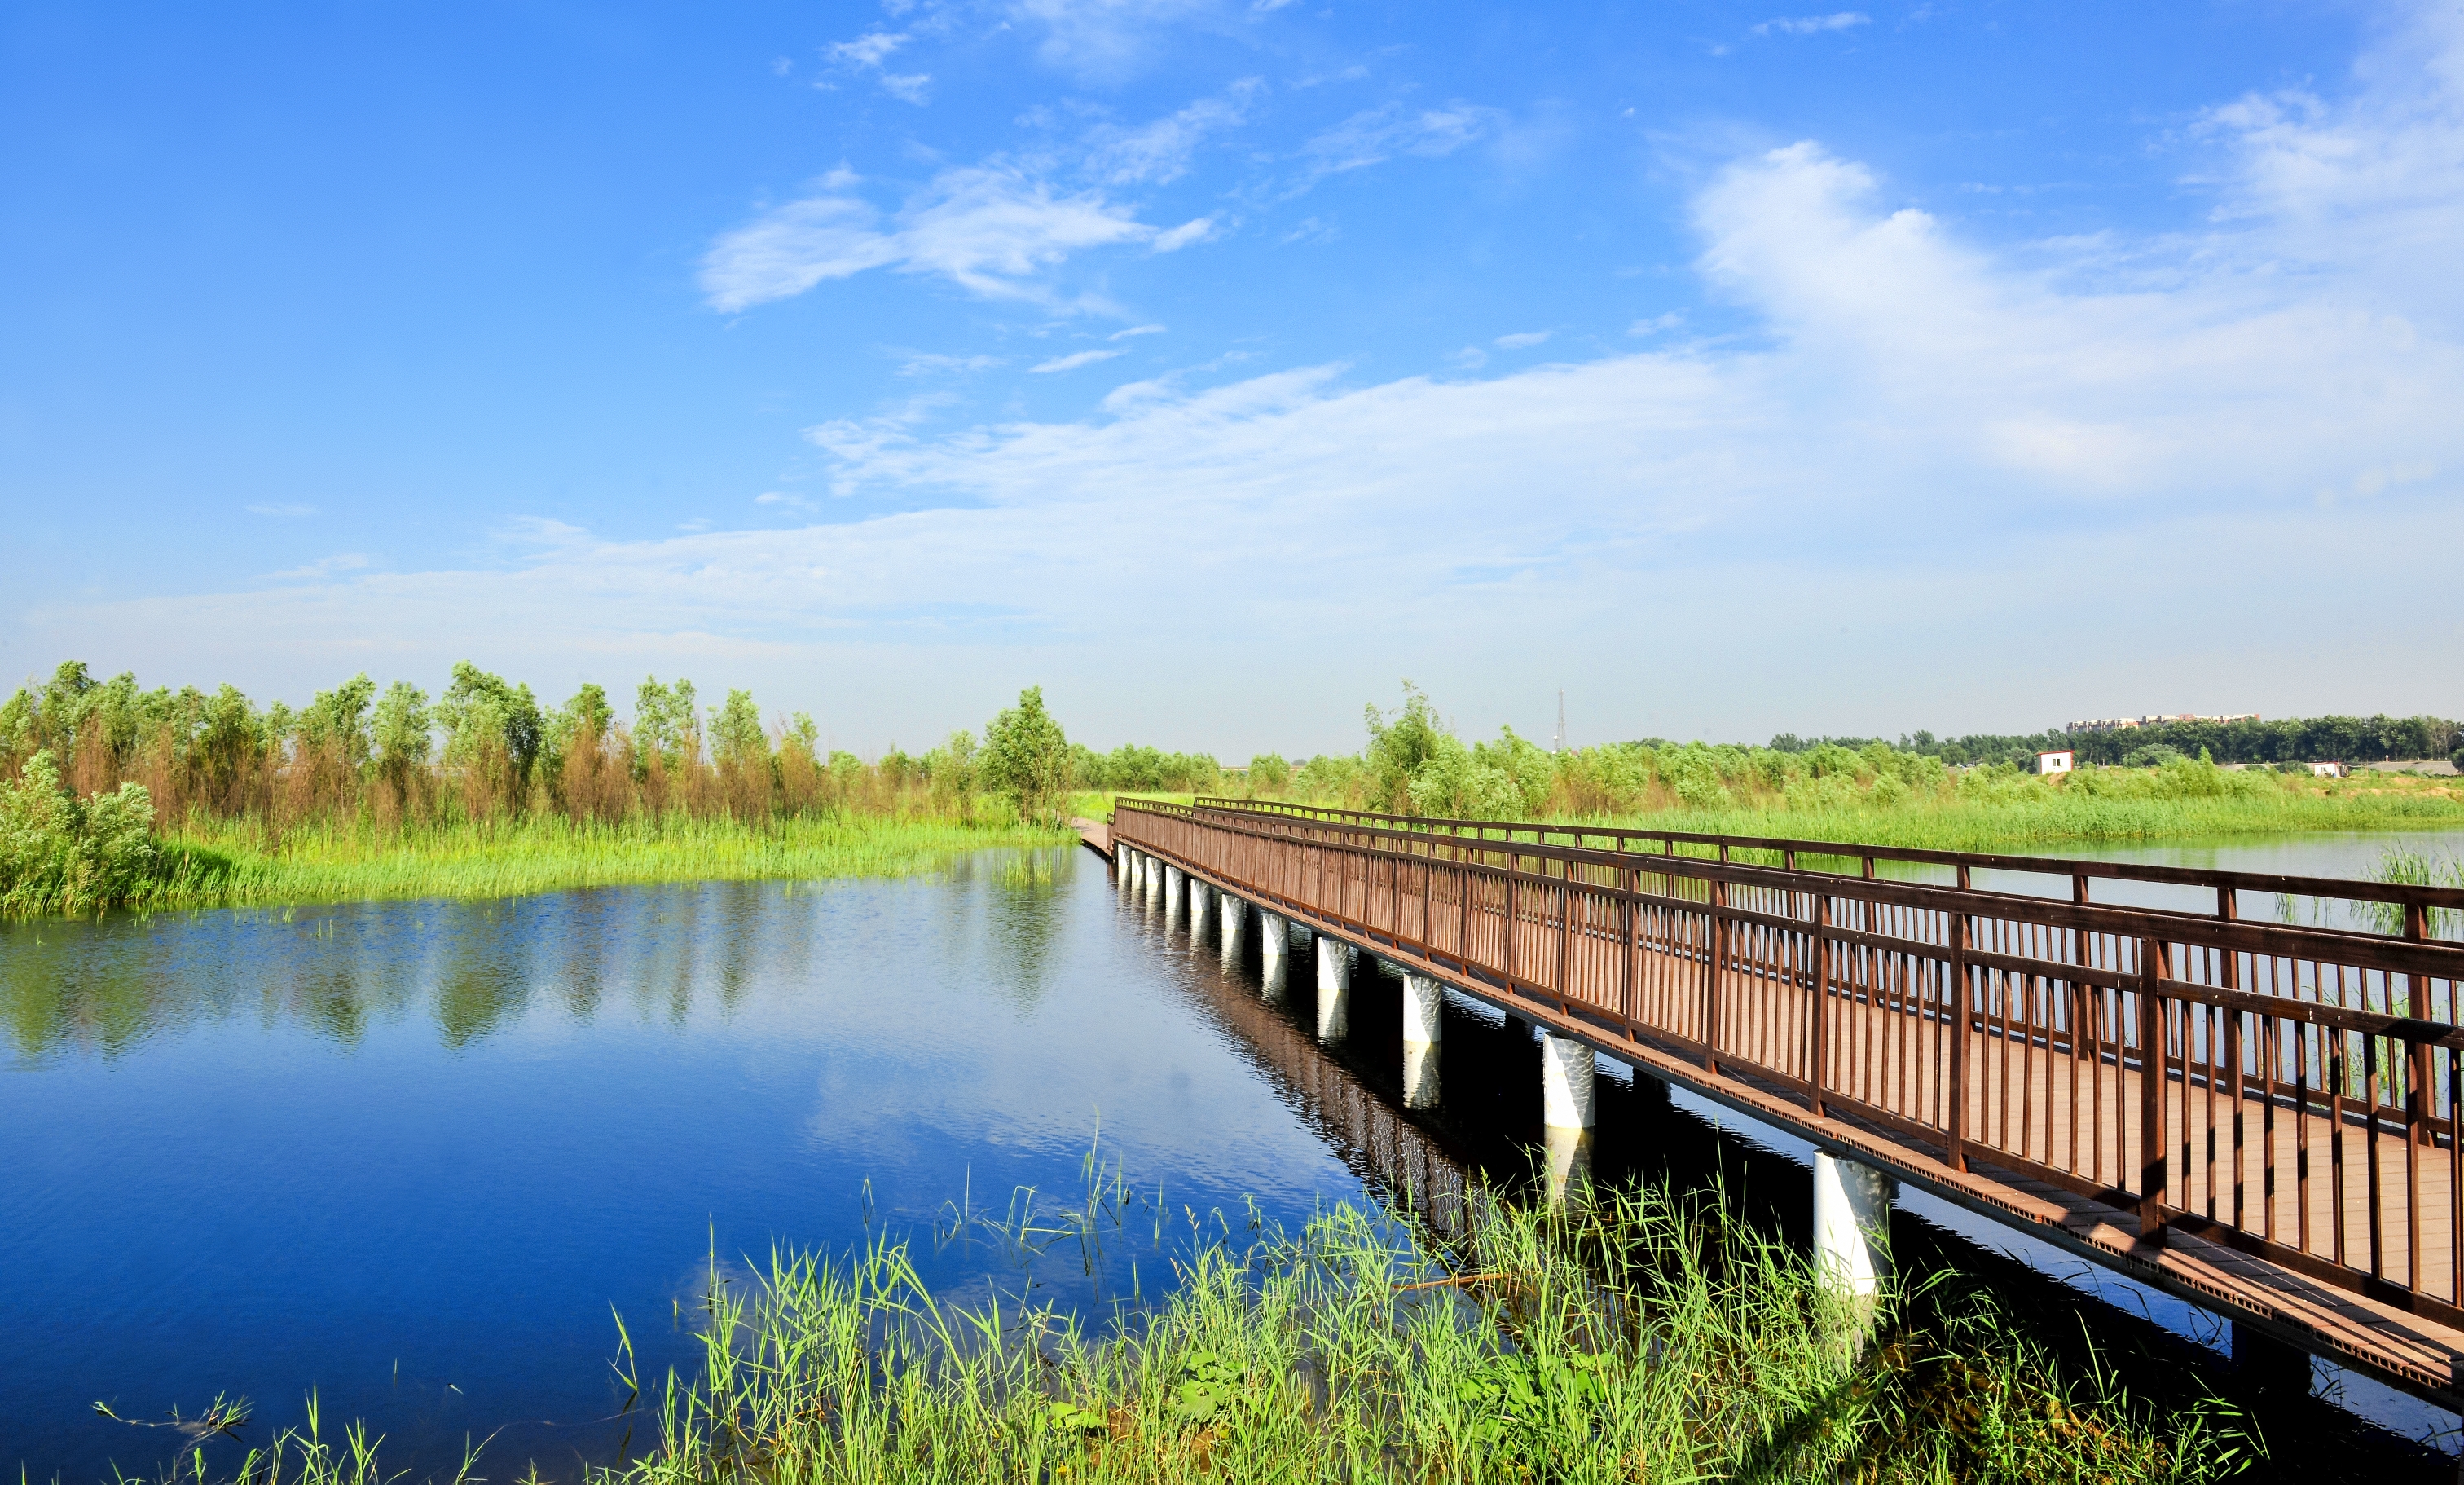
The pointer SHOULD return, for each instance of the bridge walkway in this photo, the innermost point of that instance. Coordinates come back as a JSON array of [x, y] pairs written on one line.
[[2292, 1161]]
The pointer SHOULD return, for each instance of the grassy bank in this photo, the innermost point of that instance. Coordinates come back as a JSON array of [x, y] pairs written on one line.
[[211, 864], [2023, 814], [1630, 1337]]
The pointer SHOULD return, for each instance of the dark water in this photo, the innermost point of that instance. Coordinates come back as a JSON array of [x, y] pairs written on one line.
[[412, 1156]]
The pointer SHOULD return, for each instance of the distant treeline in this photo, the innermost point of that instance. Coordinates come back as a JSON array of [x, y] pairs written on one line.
[[486, 748], [2351, 740]]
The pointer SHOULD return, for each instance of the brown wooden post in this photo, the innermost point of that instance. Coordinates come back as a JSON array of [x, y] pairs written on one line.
[[1626, 916], [2416, 1054], [1715, 941], [1819, 1038], [2155, 966], [1956, 1144]]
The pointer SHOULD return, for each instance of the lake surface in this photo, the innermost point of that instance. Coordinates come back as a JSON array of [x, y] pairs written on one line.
[[417, 1156]]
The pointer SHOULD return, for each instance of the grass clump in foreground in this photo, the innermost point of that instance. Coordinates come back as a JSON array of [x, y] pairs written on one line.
[[1630, 1337]]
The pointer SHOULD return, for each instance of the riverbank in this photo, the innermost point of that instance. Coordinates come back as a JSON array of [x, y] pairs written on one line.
[[209, 863]]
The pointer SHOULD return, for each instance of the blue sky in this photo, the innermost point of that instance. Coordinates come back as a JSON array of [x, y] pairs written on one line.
[[1217, 366]]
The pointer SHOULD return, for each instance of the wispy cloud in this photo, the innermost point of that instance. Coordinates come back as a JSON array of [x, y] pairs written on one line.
[[340, 565], [1378, 134], [1158, 152], [869, 51], [1812, 25], [1073, 360], [1174, 239], [991, 229], [923, 363], [1144, 329], [1521, 340]]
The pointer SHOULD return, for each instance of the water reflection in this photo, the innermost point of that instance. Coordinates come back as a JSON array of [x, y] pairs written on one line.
[[411, 1154]]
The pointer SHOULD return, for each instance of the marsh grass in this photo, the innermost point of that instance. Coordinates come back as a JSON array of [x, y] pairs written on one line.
[[1629, 1336], [214, 863]]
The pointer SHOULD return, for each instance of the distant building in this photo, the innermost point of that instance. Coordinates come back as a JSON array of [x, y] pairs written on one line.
[[2328, 770], [2056, 763], [2153, 720]]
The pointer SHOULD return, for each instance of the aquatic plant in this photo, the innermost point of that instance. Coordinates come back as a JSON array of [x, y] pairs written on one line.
[[1628, 1336]]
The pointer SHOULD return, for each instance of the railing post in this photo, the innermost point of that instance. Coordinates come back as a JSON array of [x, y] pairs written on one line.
[[2154, 965], [1818, 1035], [1956, 1145], [1715, 941], [1626, 916]]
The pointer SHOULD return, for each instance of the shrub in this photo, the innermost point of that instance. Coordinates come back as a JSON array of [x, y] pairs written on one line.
[[58, 854]]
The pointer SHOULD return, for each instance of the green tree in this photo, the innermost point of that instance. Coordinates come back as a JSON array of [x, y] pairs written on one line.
[[1400, 745], [1026, 756], [483, 715], [402, 730], [735, 733], [339, 720]]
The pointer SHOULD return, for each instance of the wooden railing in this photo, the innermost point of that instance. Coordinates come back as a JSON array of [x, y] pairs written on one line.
[[2297, 1093]]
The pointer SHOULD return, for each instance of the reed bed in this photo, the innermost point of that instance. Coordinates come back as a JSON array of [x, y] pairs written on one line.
[[243, 863], [1629, 1336]]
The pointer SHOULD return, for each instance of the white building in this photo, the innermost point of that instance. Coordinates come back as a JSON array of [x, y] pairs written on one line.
[[2328, 770], [2056, 763]]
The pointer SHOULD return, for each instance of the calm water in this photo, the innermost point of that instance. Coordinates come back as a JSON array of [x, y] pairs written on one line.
[[411, 1155]]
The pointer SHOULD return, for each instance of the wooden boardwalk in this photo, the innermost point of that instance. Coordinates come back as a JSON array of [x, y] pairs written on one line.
[[2261, 1117]]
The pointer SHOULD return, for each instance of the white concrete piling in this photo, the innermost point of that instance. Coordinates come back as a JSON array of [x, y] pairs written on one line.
[[1566, 1101], [1334, 990], [1852, 1226], [1274, 955], [1425, 1002], [1235, 914]]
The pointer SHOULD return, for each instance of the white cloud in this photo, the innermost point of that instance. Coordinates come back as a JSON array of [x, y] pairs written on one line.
[[322, 568], [1104, 39], [292, 511], [1812, 25], [1144, 329], [989, 229], [1378, 134], [1179, 238], [1158, 152], [866, 54], [1471, 358], [1073, 360], [1522, 340], [932, 363], [867, 50], [1656, 323]]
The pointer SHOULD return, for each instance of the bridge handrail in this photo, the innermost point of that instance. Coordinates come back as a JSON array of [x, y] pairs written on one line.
[[2360, 951], [1911, 1008], [2417, 899]]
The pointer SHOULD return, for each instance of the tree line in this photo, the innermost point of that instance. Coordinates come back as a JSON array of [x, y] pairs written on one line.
[[486, 748], [2292, 739]]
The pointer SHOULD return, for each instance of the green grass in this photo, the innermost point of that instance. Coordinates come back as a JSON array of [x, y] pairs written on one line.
[[215, 864], [1982, 825], [1626, 1336], [2036, 818]]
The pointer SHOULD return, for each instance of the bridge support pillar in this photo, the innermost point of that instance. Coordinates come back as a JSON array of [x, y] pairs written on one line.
[[1852, 1228], [1566, 1101], [1334, 990], [1274, 953], [1235, 914], [1172, 891], [1423, 1029], [1199, 895]]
